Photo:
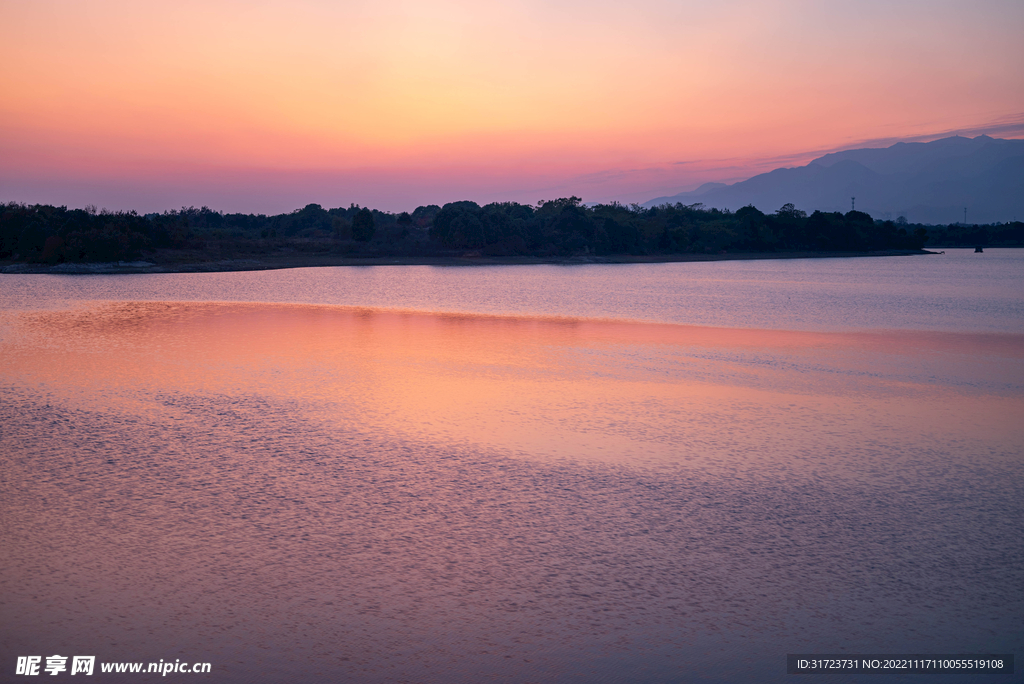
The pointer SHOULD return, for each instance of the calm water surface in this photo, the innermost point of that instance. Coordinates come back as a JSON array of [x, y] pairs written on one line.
[[958, 291], [650, 473]]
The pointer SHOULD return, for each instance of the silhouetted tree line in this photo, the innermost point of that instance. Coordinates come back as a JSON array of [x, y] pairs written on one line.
[[43, 233], [964, 235], [561, 227]]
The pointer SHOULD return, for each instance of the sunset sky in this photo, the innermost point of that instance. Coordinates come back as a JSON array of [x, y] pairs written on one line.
[[265, 105]]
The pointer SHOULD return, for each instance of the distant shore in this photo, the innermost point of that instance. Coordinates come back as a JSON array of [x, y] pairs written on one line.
[[268, 262]]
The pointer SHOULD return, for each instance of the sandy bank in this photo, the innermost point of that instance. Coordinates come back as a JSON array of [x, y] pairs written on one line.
[[305, 260]]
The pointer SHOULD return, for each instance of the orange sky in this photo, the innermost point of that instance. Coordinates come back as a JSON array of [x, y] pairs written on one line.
[[268, 105]]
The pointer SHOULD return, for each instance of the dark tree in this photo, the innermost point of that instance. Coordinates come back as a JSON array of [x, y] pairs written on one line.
[[362, 225], [753, 228], [458, 225]]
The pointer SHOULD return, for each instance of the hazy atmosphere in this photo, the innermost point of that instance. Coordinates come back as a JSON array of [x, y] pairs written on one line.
[[520, 342], [268, 106]]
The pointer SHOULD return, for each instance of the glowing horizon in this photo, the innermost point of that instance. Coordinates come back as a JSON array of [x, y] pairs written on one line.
[[266, 107]]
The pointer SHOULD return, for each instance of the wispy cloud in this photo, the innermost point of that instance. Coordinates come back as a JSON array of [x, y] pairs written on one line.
[[643, 183], [1008, 127], [733, 169]]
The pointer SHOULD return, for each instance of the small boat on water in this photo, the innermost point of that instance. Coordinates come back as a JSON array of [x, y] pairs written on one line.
[[978, 250]]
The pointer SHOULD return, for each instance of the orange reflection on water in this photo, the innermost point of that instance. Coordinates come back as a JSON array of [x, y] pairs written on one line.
[[271, 486], [551, 388]]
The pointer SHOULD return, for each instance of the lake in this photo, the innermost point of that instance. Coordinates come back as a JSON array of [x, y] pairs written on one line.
[[595, 473]]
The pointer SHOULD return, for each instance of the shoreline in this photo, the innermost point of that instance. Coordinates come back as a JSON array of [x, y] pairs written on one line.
[[281, 261]]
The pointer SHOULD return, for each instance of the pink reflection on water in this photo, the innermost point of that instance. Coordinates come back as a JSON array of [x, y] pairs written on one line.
[[579, 389], [363, 495]]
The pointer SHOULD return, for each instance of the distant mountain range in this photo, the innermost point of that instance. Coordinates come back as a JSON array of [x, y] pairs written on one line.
[[925, 182]]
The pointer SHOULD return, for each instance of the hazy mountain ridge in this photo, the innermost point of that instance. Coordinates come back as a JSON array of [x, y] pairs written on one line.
[[925, 182]]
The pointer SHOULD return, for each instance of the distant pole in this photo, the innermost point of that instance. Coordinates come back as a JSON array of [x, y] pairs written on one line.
[[853, 203], [965, 216]]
